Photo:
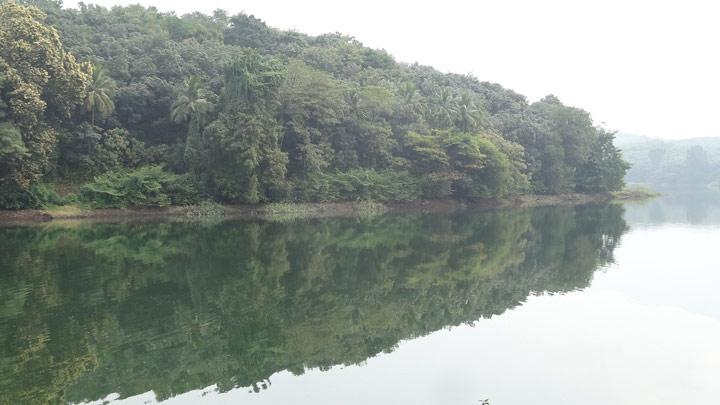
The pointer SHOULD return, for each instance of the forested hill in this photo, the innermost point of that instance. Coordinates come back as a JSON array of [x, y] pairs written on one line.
[[673, 165], [134, 107]]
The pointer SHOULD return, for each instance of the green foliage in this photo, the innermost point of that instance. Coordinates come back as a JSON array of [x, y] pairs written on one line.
[[100, 93], [147, 186], [369, 209], [192, 105], [244, 160], [604, 170], [359, 184], [465, 165], [563, 149], [288, 212], [40, 83], [37, 196], [251, 112], [12, 147], [207, 212], [89, 150], [311, 111]]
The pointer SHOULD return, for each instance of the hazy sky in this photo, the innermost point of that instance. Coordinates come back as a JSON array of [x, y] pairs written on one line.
[[644, 67]]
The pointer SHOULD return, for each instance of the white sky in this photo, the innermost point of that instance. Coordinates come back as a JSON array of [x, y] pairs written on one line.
[[643, 67]]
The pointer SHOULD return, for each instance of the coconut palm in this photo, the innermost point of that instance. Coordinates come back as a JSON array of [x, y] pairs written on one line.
[[100, 93], [191, 104], [470, 116], [444, 106], [412, 99]]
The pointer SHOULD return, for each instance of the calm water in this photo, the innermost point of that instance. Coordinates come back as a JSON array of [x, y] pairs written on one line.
[[595, 305]]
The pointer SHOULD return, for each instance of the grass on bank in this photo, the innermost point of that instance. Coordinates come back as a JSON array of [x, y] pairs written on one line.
[[635, 192], [285, 212]]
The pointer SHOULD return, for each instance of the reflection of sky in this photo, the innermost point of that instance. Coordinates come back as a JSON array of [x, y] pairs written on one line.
[[645, 332], [673, 265]]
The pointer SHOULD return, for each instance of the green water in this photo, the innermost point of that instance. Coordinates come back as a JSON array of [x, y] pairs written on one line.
[[301, 311]]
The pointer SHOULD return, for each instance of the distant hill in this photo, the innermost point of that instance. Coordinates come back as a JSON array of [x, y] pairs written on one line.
[[687, 164]]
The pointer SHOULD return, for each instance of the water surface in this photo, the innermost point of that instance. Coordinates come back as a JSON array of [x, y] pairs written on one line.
[[593, 304]]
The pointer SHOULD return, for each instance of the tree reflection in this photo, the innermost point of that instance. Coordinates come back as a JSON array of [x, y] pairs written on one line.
[[91, 310]]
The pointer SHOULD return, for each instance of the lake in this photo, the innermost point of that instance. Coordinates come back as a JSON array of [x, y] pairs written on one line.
[[598, 304]]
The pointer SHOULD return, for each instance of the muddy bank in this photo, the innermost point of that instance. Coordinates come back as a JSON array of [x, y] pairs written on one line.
[[307, 210]]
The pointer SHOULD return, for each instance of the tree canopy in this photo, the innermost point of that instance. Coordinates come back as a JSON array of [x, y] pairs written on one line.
[[256, 114], [40, 85]]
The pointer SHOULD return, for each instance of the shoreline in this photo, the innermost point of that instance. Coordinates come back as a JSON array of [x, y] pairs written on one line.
[[309, 210]]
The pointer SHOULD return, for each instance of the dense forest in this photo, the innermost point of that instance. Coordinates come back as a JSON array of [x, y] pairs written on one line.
[[91, 310], [133, 107]]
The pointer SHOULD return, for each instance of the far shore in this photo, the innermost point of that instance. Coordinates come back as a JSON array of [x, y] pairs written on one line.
[[311, 210]]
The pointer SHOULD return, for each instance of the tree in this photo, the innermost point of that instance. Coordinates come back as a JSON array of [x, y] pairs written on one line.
[[245, 160], [100, 93], [293, 111], [42, 84], [411, 109], [191, 103], [470, 117], [564, 140], [311, 104], [193, 106], [248, 31], [605, 168], [465, 165], [484, 170], [444, 107], [12, 147]]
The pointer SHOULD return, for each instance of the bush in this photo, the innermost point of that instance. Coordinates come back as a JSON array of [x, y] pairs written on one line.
[[38, 196], [88, 150], [359, 184], [147, 186], [369, 209], [207, 212]]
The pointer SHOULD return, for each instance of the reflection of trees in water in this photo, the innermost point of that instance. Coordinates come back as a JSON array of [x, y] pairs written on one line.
[[677, 207], [92, 310], [697, 211]]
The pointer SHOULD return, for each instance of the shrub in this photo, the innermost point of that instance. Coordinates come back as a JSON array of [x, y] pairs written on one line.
[[207, 212], [87, 150], [38, 196], [369, 209], [287, 212], [359, 184], [147, 186]]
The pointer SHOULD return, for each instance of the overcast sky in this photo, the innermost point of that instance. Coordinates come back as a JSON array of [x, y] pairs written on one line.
[[643, 67]]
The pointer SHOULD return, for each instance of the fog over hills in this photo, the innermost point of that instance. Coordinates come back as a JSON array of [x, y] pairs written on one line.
[[687, 164]]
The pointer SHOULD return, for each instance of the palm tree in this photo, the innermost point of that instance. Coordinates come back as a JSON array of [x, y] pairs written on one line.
[[100, 94], [190, 104], [412, 99], [445, 106], [470, 116]]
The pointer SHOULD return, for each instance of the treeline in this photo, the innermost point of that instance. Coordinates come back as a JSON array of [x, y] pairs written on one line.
[[133, 102], [673, 165], [93, 310]]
